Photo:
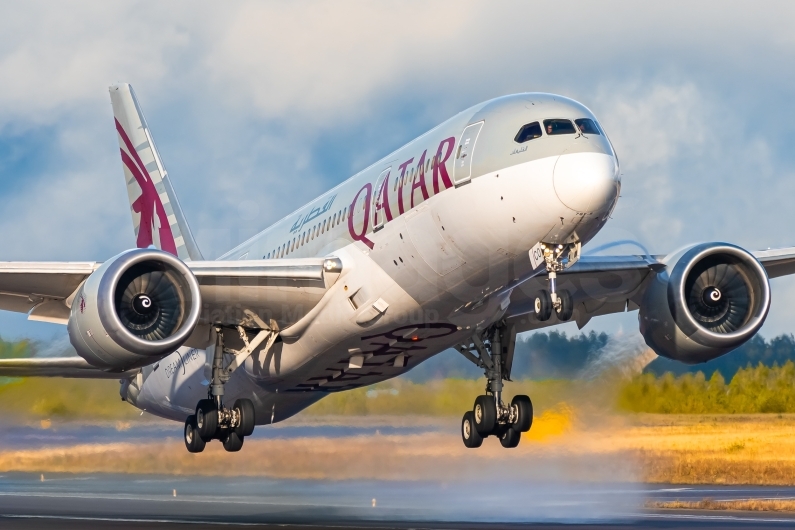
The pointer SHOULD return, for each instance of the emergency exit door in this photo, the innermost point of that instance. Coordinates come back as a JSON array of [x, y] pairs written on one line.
[[463, 155]]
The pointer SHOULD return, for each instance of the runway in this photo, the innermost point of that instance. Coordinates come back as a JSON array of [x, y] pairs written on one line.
[[132, 501]]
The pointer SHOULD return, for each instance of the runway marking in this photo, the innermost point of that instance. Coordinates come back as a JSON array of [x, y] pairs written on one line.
[[208, 522], [168, 498]]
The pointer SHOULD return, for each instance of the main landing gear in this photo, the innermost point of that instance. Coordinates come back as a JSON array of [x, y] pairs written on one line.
[[490, 416], [212, 420], [556, 259]]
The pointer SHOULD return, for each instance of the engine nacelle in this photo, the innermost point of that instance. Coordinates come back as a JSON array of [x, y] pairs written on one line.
[[136, 308], [710, 299]]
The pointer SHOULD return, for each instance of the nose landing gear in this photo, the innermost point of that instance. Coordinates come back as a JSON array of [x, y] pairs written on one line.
[[490, 416], [213, 421], [556, 258]]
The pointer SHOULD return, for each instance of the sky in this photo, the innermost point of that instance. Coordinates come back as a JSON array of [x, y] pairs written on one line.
[[257, 107]]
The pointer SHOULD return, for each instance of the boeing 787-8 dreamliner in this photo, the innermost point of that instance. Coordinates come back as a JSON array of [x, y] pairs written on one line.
[[462, 238]]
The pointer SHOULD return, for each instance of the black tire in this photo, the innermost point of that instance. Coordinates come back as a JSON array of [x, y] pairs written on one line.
[[566, 307], [245, 408], [469, 431], [233, 442], [193, 442], [485, 414], [524, 413], [207, 419], [510, 438], [542, 306]]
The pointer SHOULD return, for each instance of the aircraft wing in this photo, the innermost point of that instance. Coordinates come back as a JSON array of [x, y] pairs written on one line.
[[42, 289], [56, 367], [602, 285], [599, 285], [253, 293], [777, 262]]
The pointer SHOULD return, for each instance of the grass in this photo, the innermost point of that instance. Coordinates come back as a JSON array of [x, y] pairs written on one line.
[[444, 397], [578, 431], [40, 398], [564, 443], [89, 400], [426, 456], [750, 505]]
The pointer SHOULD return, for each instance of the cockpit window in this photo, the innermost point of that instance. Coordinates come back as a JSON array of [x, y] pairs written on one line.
[[587, 126], [528, 132], [554, 127]]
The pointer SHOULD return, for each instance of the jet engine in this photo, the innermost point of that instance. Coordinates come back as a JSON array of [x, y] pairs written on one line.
[[135, 309], [710, 299]]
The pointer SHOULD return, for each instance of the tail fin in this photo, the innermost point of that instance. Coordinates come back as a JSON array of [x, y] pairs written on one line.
[[157, 217]]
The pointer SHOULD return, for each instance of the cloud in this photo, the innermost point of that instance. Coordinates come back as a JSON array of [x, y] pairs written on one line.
[[258, 107], [56, 57], [329, 59]]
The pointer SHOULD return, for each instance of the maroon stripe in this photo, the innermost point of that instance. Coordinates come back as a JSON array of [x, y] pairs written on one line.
[[130, 148], [148, 195]]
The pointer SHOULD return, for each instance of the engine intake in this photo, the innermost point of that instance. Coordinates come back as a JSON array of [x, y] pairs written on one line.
[[714, 299], [140, 305]]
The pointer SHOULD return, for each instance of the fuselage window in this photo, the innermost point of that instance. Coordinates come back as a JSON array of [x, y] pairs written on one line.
[[587, 126], [334, 220], [528, 132], [554, 127]]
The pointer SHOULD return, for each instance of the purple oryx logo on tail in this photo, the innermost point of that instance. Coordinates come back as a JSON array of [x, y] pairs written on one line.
[[149, 203]]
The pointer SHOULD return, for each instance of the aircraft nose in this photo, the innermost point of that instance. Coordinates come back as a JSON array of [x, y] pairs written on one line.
[[586, 182]]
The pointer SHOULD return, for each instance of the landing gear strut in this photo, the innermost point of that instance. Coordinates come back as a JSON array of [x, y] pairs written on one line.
[[490, 416], [213, 421], [556, 258]]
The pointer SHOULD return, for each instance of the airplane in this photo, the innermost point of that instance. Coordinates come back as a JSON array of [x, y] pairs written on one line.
[[464, 237]]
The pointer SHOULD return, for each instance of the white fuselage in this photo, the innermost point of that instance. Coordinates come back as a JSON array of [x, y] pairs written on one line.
[[433, 238]]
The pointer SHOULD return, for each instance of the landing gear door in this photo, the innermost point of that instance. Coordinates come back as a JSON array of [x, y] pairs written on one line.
[[463, 155], [379, 191]]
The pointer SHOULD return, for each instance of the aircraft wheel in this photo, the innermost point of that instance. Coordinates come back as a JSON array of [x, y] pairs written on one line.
[[542, 307], [245, 408], [566, 307], [233, 442], [509, 438], [469, 432], [193, 441], [524, 413], [485, 414], [207, 419]]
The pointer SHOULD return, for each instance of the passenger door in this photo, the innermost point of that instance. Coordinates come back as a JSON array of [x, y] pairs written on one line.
[[463, 156]]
